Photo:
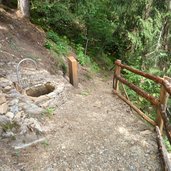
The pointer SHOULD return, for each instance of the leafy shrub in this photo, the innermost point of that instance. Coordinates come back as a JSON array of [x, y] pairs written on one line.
[[85, 60]]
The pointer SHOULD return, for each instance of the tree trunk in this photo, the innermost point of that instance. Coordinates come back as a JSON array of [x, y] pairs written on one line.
[[167, 29], [23, 6]]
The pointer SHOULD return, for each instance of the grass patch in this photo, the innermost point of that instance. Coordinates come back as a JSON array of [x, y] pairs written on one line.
[[167, 143], [48, 112]]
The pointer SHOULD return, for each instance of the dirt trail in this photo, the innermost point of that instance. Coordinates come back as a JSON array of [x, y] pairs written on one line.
[[96, 131]]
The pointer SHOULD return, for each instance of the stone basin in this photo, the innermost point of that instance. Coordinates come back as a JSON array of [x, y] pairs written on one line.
[[40, 90]]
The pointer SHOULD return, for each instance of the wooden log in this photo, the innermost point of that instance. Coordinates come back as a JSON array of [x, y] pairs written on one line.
[[139, 91], [167, 124], [136, 109], [116, 72], [22, 146], [163, 101], [73, 71], [167, 85], [162, 120], [156, 79], [126, 94], [163, 151]]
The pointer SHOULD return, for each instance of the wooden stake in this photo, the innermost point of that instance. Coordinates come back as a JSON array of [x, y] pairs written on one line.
[[126, 94], [116, 73], [163, 151], [167, 124], [73, 71], [163, 101]]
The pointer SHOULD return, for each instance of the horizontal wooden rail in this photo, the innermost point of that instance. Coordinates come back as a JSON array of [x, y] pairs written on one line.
[[139, 91], [156, 79], [135, 108]]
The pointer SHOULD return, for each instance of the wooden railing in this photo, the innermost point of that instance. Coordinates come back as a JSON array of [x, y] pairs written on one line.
[[159, 104]]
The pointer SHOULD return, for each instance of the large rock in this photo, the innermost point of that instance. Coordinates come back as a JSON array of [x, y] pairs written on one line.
[[4, 120], [32, 109], [2, 99], [31, 124], [3, 108], [10, 115], [7, 134], [5, 82]]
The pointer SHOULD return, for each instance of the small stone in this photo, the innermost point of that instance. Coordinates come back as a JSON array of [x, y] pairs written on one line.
[[7, 88], [2, 99], [11, 26], [14, 94], [7, 134], [146, 132], [124, 154], [132, 142], [5, 82], [4, 120], [10, 115], [97, 104], [32, 109], [13, 102], [3, 108], [18, 115], [118, 158], [14, 109], [32, 124]]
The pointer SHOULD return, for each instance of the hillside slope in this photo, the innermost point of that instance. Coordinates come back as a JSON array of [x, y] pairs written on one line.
[[20, 39]]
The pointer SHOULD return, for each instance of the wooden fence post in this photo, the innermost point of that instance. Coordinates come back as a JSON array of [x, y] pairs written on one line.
[[73, 71], [116, 72], [163, 101]]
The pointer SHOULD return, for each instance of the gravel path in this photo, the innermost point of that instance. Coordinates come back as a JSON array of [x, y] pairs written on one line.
[[94, 131]]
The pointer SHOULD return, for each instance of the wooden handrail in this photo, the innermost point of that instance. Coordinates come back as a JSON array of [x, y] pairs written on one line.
[[159, 104], [139, 91], [154, 78], [167, 86], [136, 109], [164, 91]]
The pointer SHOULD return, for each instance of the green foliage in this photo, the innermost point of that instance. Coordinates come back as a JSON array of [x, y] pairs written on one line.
[[167, 143], [148, 86], [45, 143], [59, 45], [48, 112], [128, 30], [85, 60], [9, 126]]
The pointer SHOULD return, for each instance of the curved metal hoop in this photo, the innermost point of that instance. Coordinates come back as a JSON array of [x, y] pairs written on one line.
[[26, 59]]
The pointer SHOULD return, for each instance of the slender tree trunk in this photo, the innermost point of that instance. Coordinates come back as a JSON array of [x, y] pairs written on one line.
[[167, 30], [169, 41], [23, 6]]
